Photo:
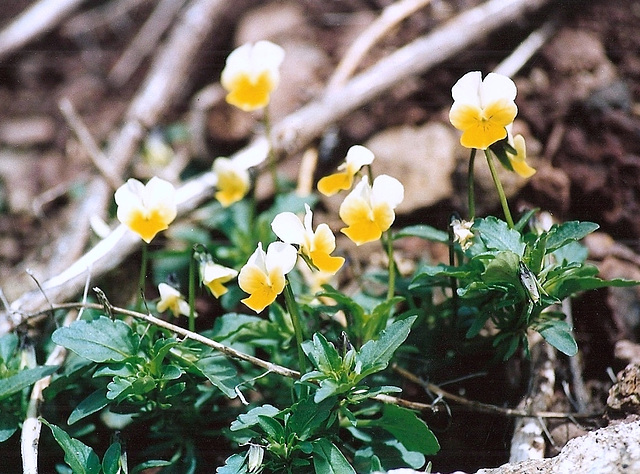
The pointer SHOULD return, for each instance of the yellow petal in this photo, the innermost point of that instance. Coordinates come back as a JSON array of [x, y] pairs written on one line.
[[383, 216], [501, 112], [330, 185], [362, 232], [262, 288], [250, 93], [146, 224], [482, 135], [464, 116], [325, 262], [232, 186], [523, 169]]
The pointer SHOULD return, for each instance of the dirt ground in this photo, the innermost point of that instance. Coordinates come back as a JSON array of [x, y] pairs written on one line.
[[578, 100]]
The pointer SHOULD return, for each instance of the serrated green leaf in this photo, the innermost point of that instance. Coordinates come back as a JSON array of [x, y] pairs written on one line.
[[249, 419], [23, 379], [307, 416], [322, 354], [100, 340], [220, 372], [376, 354], [502, 269], [497, 235], [424, 232], [92, 404], [327, 459], [411, 431], [272, 427], [78, 456], [562, 234]]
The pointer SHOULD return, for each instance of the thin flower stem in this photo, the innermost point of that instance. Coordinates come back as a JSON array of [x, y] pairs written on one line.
[[452, 261], [143, 274], [503, 197], [271, 157], [471, 185], [391, 289], [294, 311], [192, 290]]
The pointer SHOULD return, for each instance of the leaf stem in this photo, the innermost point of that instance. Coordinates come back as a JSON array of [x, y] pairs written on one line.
[[294, 311], [503, 197]]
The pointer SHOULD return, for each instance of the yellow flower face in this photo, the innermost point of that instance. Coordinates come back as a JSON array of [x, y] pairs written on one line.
[[263, 276], [251, 73], [214, 277], [146, 210], [171, 299], [357, 157], [368, 211], [482, 109], [317, 245], [233, 181], [518, 161]]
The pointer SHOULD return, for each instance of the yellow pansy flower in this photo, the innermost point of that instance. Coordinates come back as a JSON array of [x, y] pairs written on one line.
[[170, 298], [317, 246], [233, 181], [357, 157], [214, 276], [369, 210], [263, 276], [251, 73], [462, 233], [146, 209], [518, 161], [482, 109]]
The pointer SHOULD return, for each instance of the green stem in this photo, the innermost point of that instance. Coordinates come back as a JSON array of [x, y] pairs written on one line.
[[471, 185], [391, 290], [143, 274], [294, 311], [452, 261], [503, 197], [271, 157], [192, 291]]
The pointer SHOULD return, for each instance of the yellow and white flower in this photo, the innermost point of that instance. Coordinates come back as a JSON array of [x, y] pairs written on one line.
[[170, 298], [518, 161], [233, 181], [369, 210], [357, 157], [251, 73], [146, 209], [263, 276], [482, 109], [214, 276], [317, 246]]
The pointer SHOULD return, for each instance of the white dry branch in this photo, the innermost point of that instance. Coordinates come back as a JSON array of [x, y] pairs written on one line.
[[289, 135]]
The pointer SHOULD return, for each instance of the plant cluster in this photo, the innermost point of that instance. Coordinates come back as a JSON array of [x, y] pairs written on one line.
[[302, 381]]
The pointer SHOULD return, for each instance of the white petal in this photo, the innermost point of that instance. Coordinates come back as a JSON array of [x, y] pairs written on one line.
[[466, 90], [267, 56], [496, 87], [282, 256], [159, 193], [253, 155], [288, 228], [238, 62], [359, 156], [129, 192], [258, 258], [362, 189], [308, 219], [387, 189]]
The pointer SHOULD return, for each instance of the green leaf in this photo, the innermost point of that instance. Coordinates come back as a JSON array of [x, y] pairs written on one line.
[[559, 334], [23, 379], [503, 269], [150, 464], [562, 234], [374, 356], [8, 346], [78, 456], [497, 235], [92, 404], [111, 459], [272, 427], [424, 232], [100, 340], [220, 372], [322, 354], [307, 416], [233, 465], [327, 459], [411, 431], [9, 424], [249, 419]]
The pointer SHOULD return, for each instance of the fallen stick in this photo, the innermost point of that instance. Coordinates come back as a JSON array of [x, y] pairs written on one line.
[[290, 135], [38, 19]]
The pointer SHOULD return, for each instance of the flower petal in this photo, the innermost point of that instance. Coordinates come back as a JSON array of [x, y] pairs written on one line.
[[334, 183], [496, 87], [465, 90], [288, 228], [280, 256], [357, 157], [387, 189]]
